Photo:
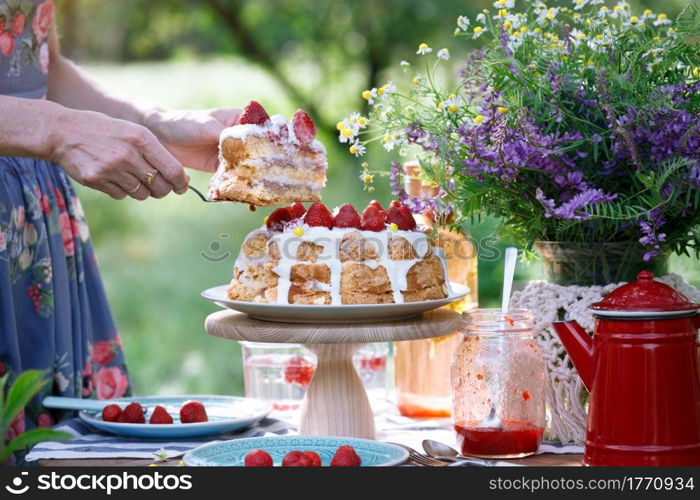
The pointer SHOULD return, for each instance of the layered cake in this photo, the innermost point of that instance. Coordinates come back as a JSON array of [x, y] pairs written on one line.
[[267, 160], [314, 257]]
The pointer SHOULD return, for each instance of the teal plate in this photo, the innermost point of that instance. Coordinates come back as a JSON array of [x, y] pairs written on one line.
[[226, 414], [232, 453]]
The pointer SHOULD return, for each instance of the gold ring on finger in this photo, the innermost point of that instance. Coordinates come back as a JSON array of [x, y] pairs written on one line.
[[150, 176], [132, 191]]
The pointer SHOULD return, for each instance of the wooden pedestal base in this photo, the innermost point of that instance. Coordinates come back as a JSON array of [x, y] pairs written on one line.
[[336, 401]]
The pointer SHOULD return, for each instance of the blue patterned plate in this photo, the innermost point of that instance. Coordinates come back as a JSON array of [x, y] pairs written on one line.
[[232, 453], [226, 414]]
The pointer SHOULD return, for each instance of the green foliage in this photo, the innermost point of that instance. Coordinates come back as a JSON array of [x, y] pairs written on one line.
[[27, 385]]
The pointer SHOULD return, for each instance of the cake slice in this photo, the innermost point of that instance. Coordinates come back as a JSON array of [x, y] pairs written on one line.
[[267, 160]]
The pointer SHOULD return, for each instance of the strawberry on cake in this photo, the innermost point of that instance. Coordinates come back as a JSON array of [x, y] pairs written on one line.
[[312, 256], [267, 160]]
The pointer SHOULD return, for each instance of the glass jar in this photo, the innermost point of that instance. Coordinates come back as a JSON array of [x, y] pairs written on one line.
[[281, 373], [419, 395], [498, 376]]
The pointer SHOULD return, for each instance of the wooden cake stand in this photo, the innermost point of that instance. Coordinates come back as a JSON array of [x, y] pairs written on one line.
[[336, 403]]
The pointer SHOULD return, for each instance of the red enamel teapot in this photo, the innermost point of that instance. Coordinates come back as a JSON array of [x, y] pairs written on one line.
[[643, 372]]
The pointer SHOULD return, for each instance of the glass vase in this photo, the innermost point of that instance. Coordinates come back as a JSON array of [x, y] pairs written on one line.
[[596, 263]]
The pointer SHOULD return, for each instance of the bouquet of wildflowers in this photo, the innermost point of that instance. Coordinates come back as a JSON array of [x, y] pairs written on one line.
[[574, 123]]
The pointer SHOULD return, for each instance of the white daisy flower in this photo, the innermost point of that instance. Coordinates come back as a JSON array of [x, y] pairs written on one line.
[[424, 49], [580, 4], [357, 148], [661, 20], [389, 142], [443, 54], [481, 18], [478, 31], [404, 64], [463, 23], [504, 4]]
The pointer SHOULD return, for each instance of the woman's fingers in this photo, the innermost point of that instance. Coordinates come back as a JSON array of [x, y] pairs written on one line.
[[113, 190], [171, 170]]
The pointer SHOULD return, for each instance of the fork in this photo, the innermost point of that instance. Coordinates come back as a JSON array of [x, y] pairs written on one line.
[[419, 458], [199, 193]]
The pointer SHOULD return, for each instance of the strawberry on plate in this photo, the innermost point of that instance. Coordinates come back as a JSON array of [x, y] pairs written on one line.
[[346, 456], [111, 413], [297, 459], [192, 412], [258, 458], [313, 457], [133, 414], [160, 416]]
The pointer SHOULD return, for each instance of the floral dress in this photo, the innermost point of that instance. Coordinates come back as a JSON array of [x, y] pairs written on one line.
[[54, 314]]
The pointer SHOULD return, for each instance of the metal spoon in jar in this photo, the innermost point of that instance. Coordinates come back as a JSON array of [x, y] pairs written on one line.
[[441, 451], [491, 420]]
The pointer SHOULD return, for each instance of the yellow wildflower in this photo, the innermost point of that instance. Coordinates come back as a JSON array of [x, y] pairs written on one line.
[[346, 132], [696, 72], [502, 109], [340, 126], [648, 12], [367, 95], [479, 118]]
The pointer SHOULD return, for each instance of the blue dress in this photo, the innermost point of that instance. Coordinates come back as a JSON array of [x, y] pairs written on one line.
[[54, 314]]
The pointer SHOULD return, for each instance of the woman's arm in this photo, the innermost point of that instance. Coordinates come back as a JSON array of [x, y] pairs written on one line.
[[192, 137], [73, 88]]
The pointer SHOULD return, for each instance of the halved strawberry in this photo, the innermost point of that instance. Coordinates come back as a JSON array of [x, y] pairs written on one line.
[[319, 215], [297, 210], [304, 127], [160, 416], [278, 218], [347, 216], [254, 113], [373, 219], [400, 215]]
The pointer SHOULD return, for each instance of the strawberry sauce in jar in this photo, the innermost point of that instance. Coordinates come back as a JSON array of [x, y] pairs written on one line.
[[498, 375]]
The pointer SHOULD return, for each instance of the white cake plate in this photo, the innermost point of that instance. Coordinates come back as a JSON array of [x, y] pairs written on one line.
[[336, 403], [355, 313]]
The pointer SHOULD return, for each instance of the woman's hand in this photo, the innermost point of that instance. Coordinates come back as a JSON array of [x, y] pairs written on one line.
[[114, 156], [193, 136]]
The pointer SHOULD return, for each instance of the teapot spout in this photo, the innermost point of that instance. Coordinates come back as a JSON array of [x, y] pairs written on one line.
[[579, 346]]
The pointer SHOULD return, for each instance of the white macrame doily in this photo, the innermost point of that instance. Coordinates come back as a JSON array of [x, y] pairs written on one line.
[[564, 391]]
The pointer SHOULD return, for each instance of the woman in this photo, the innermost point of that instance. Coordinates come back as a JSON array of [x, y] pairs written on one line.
[[55, 123]]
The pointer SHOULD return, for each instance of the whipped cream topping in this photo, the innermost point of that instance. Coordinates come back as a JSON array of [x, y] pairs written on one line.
[[330, 241], [276, 124]]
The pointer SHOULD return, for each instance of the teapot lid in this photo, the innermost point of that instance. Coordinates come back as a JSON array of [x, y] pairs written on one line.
[[645, 295]]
